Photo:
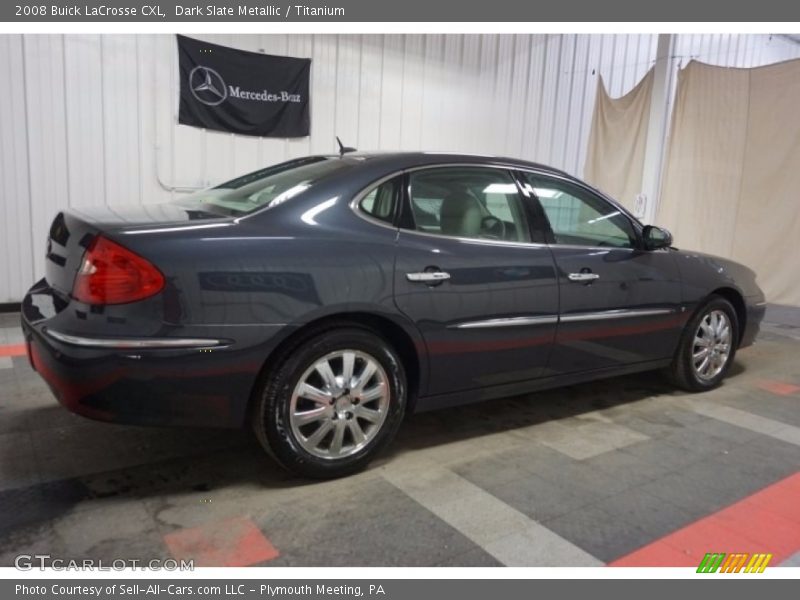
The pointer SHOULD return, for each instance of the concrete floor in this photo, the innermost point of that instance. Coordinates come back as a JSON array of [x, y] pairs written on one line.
[[625, 469]]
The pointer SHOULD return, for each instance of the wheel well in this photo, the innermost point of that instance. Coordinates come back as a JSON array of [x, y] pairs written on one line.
[[393, 333], [735, 298]]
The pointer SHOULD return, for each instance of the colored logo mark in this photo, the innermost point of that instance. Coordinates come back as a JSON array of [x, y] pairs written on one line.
[[714, 562]]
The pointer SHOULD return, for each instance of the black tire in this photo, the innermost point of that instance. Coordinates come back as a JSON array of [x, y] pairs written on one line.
[[271, 416], [682, 372]]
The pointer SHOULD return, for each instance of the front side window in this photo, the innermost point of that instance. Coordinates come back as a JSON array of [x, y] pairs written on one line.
[[468, 202], [580, 218]]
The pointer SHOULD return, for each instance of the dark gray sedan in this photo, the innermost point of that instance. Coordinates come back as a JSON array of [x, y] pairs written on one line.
[[321, 299]]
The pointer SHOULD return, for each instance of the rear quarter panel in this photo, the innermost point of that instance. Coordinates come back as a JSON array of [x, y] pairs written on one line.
[[284, 272]]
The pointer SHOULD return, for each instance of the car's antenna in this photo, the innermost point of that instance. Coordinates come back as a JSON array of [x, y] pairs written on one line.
[[342, 148]]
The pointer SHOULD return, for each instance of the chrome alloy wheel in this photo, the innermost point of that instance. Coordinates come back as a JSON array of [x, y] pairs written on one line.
[[712, 345], [339, 404]]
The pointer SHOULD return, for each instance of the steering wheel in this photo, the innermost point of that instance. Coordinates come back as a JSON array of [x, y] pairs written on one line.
[[493, 227]]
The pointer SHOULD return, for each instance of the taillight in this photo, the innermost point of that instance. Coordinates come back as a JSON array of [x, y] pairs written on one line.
[[112, 274]]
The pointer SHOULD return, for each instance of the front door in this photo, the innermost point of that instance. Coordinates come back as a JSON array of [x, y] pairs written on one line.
[[619, 304], [483, 295]]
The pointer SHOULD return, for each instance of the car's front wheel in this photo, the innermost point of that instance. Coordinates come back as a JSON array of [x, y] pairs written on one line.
[[335, 401], [707, 347]]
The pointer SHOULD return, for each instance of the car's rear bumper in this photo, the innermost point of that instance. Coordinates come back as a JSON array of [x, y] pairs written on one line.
[[109, 378]]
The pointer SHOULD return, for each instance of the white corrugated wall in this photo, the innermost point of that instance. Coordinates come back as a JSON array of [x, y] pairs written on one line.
[[92, 119], [732, 50]]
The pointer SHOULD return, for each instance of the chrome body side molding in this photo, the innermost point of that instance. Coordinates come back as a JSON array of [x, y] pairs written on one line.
[[132, 343], [604, 315], [626, 313], [509, 322]]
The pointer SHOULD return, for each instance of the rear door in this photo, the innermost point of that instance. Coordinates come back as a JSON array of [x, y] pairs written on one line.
[[619, 304], [474, 278]]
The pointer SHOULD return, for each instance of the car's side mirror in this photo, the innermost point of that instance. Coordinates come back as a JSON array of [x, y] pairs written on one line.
[[656, 237]]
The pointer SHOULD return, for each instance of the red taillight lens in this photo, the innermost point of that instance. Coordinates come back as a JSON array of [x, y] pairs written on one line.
[[112, 274]]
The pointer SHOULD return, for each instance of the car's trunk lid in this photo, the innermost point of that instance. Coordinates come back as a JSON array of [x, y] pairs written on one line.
[[115, 218], [73, 230]]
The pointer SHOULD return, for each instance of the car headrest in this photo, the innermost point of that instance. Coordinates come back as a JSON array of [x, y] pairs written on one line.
[[461, 215]]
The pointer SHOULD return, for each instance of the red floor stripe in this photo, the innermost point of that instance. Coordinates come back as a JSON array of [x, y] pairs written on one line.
[[236, 542], [768, 521], [13, 350], [781, 388]]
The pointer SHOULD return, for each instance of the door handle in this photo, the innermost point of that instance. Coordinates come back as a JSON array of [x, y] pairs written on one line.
[[428, 277], [583, 277]]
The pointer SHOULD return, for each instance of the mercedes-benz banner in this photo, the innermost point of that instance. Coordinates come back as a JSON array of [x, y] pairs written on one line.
[[242, 92]]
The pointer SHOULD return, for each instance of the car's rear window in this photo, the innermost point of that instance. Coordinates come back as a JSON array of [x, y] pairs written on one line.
[[263, 188]]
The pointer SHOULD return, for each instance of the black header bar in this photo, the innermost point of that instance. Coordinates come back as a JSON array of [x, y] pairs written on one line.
[[441, 11]]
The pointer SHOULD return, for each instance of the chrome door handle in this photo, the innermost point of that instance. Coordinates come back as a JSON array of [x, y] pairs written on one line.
[[428, 277], [584, 277]]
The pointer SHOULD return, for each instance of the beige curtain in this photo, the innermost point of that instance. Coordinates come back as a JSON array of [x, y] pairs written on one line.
[[732, 174], [615, 157], [702, 177], [768, 223]]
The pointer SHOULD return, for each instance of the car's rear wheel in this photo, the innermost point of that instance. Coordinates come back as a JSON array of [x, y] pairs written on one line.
[[707, 347], [334, 402]]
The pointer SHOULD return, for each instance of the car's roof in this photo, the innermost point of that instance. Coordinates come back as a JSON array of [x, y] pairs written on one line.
[[365, 168], [405, 160]]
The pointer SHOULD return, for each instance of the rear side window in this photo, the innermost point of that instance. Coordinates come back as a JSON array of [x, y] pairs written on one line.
[[382, 201], [468, 202]]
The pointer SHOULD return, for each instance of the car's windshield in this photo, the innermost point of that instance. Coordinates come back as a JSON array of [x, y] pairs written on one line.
[[263, 188]]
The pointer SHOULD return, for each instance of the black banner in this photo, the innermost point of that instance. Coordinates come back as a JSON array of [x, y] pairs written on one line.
[[243, 92]]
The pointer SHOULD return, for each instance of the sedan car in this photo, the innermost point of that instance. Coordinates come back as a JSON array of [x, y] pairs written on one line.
[[321, 299]]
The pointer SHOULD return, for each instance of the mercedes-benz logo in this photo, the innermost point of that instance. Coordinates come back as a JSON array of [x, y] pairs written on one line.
[[207, 86]]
